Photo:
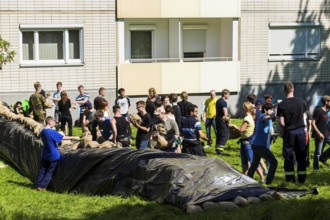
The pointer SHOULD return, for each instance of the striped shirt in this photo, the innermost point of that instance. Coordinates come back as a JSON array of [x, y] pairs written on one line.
[[190, 127], [81, 97]]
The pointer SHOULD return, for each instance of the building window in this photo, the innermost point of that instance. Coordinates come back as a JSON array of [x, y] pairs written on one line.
[[194, 41], [193, 55], [141, 42], [294, 41], [48, 46]]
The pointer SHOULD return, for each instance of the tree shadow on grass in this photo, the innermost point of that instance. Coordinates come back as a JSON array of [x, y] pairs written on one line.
[[150, 211]]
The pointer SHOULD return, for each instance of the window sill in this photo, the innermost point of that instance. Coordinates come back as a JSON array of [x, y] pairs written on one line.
[[280, 59], [26, 65]]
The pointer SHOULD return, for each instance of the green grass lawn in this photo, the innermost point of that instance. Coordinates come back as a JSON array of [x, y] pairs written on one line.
[[19, 200]]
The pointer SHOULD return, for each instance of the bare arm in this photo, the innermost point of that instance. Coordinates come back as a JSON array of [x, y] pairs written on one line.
[[71, 138], [202, 135], [317, 131], [225, 111], [85, 121], [282, 124], [139, 126], [240, 129], [56, 99], [267, 118], [82, 101], [114, 130]]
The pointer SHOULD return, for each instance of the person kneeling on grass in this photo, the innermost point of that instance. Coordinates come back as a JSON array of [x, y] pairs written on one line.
[[50, 153], [260, 143]]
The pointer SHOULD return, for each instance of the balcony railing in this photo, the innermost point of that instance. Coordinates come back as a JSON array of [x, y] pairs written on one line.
[[176, 60]]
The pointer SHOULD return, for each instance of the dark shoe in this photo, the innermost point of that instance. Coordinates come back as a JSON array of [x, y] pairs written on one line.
[[221, 152], [290, 178]]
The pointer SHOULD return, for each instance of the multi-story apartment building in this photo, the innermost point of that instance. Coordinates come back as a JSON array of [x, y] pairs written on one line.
[[72, 41], [193, 45], [247, 46], [285, 41], [190, 45]]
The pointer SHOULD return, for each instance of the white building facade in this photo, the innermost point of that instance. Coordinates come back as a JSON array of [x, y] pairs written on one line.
[[69, 41], [172, 47], [285, 41], [246, 46]]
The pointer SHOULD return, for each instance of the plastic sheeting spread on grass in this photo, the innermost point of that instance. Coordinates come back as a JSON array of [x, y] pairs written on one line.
[[178, 179]]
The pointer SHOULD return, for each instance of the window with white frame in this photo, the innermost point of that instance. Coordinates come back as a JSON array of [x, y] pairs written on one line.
[[141, 45], [51, 45], [141, 42], [294, 41]]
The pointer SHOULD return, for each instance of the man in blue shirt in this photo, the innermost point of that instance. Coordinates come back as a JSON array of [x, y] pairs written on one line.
[[50, 153], [104, 124], [261, 141], [192, 132]]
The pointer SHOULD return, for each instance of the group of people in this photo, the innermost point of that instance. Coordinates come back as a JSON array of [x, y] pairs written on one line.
[[294, 124], [166, 124]]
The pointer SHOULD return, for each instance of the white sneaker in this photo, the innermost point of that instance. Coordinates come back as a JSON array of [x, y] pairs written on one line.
[[206, 146]]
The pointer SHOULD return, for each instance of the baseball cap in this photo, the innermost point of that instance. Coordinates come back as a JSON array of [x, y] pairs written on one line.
[[260, 101], [88, 104]]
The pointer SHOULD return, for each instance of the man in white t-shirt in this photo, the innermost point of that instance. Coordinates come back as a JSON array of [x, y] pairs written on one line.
[[123, 101], [56, 98]]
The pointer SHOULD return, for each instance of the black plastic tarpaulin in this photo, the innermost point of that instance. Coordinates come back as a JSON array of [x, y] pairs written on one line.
[[178, 179]]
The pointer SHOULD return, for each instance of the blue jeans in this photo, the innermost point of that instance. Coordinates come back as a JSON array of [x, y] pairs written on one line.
[[246, 155], [263, 152], [210, 122], [46, 171], [318, 156], [141, 144]]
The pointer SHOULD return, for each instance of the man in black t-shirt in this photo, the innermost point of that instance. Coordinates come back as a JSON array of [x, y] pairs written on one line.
[[222, 133], [183, 104], [291, 112], [176, 111], [120, 127], [143, 128]]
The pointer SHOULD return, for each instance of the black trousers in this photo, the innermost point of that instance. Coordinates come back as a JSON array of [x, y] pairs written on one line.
[[222, 132], [294, 142], [193, 148]]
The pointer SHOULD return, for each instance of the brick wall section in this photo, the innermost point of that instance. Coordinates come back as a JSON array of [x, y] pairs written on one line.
[[98, 18], [255, 19]]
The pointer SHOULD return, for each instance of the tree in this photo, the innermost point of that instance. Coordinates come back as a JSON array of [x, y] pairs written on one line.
[[6, 55]]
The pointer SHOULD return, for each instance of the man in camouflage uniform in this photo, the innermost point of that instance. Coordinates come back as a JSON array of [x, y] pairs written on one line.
[[37, 102]]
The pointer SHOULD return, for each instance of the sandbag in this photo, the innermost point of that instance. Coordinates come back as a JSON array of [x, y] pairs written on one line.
[[165, 177]]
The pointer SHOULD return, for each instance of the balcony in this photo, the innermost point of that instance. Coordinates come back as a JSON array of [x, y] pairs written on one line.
[[193, 77], [178, 8], [175, 54]]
